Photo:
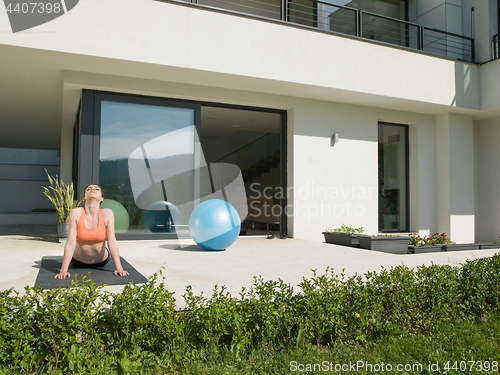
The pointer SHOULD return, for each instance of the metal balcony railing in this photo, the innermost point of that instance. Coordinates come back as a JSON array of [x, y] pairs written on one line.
[[350, 21], [495, 47]]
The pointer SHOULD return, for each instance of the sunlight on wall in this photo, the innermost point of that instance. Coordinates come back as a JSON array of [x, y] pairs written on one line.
[[466, 77]]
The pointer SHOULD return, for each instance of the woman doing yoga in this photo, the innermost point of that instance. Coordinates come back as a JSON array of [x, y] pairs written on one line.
[[89, 227]]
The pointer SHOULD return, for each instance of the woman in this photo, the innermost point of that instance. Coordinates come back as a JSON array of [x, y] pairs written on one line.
[[89, 227]]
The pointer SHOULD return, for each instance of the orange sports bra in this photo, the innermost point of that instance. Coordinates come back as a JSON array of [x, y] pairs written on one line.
[[85, 236]]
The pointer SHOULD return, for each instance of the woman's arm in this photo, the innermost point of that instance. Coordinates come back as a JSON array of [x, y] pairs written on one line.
[[69, 248], [109, 218]]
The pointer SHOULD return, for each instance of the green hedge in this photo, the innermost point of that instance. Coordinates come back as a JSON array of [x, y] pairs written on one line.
[[83, 329]]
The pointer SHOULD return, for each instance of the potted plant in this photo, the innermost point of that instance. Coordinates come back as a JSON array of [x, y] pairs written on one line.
[[426, 244], [345, 236], [62, 197], [445, 244], [385, 242]]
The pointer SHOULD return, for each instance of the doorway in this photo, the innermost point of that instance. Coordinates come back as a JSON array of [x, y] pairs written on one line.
[[250, 139]]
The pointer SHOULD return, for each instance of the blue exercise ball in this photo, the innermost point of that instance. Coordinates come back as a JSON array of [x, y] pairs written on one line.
[[214, 224], [162, 217]]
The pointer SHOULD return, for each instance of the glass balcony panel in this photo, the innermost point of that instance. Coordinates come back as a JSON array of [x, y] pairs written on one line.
[[389, 30], [380, 20], [262, 8], [449, 45], [341, 20]]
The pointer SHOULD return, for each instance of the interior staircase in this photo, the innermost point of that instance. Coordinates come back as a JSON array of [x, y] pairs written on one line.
[[263, 166]]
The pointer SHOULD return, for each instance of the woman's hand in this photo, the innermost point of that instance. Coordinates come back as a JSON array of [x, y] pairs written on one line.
[[62, 275], [121, 272]]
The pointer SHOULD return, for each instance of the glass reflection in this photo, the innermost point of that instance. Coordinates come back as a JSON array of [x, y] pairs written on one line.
[[165, 137]]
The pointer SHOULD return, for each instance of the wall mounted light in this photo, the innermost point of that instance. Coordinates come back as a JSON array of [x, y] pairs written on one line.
[[334, 139]]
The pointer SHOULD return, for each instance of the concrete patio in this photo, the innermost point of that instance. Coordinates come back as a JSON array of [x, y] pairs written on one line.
[[288, 259]]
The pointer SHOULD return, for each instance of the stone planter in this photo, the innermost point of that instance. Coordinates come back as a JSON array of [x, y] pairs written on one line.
[[460, 246], [394, 245], [342, 239], [425, 249], [62, 230]]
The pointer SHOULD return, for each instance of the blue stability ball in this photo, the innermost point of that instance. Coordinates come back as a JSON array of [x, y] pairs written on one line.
[[161, 217], [214, 224], [120, 213]]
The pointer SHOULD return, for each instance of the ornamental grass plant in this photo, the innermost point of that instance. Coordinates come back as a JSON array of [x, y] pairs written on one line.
[[62, 196]]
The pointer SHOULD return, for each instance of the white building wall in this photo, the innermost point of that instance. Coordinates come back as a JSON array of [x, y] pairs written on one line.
[[328, 186], [193, 45], [487, 134], [422, 154], [490, 82], [442, 174], [455, 177], [339, 184]]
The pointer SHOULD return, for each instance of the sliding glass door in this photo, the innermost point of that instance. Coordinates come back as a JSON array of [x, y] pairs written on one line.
[[146, 154], [393, 177]]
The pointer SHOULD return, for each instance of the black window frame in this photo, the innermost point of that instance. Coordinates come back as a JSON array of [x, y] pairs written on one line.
[[88, 135], [407, 177]]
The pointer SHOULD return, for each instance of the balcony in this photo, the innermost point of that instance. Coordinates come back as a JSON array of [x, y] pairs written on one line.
[[342, 20]]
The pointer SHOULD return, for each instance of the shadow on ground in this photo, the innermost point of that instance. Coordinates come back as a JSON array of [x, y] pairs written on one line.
[[31, 232], [191, 248]]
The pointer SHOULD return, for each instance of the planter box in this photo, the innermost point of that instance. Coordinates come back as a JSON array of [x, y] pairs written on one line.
[[342, 239], [495, 245], [460, 246], [394, 245], [425, 249]]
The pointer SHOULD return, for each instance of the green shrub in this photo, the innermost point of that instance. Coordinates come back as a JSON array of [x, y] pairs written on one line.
[[81, 329], [479, 285], [56, 328], [144, 317]]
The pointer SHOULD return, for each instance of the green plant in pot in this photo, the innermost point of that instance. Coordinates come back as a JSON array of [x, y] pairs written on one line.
[[345, 229], [62, 197], [345, 236]]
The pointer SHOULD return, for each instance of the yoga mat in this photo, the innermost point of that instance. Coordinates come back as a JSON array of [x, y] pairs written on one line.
[[52, 264]]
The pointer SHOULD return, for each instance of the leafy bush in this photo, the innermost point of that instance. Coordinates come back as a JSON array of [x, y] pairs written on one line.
[[61, 195], [82, 329]]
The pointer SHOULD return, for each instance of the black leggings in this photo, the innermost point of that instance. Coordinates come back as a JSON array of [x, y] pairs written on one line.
[[78, 264]]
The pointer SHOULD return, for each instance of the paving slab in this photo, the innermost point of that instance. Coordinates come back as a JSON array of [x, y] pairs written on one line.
[[288, 259]]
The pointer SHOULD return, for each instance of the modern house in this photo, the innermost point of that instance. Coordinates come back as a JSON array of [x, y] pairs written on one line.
[[376, 113]]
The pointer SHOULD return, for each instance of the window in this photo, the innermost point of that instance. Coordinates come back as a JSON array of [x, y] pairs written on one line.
[[393, 177]]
